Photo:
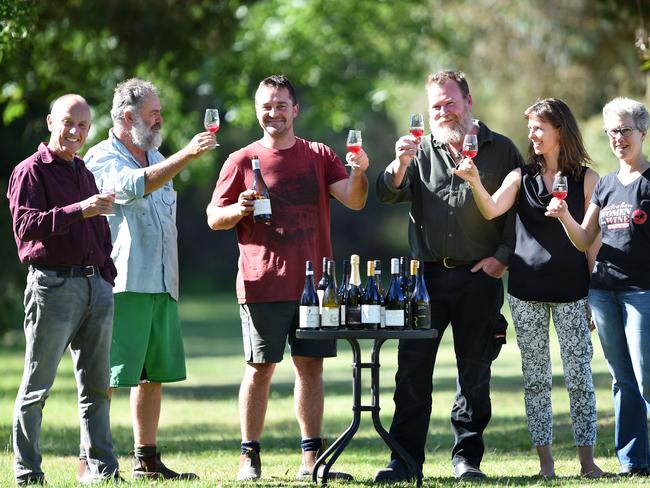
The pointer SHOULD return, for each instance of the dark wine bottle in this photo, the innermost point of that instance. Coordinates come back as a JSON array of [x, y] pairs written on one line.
[[329, 318], [322, 284], [308, 313], [262, 203], [371, 301], [343, 291], [420, 302], [382, 293], [395, 300], [354, 292]]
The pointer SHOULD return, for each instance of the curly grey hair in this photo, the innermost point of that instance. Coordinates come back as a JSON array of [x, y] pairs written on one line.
[[622, 106], [130, 96]]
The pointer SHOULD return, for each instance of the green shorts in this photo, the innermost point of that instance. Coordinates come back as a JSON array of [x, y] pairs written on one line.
[[266, 328], [147, 342]]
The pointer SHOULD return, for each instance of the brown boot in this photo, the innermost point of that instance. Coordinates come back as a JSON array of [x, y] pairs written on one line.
[[250, 466], [153, 468]]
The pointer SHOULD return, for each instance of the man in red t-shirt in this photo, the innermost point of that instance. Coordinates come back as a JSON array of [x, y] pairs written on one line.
[[301, 176]]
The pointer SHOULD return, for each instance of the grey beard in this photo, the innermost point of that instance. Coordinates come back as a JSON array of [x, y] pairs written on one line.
[[455, 134], [143, 137]]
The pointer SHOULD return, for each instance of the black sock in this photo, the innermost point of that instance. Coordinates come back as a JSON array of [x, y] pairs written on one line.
[[311, 443], [254, 445], [144, 451]]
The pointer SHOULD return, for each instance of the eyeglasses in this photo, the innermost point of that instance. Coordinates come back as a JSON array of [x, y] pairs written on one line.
[[622, 131]]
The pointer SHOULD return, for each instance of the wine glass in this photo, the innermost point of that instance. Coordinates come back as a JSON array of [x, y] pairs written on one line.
[[211, 121], [354, 144], [416, 126], [108, 189], [560, 187], [470, 146]]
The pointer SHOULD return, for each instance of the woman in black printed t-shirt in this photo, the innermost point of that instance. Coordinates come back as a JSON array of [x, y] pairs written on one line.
[[619, 291]]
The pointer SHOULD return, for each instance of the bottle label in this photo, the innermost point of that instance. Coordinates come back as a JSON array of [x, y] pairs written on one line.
[[394, 318], [342, 314], [382, 323], [329, 317], [370, 314], [353, 315], [309, 317], [261, 206], [422, 317]]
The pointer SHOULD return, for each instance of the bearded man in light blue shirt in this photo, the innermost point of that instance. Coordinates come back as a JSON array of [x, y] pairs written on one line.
[[147, 346]]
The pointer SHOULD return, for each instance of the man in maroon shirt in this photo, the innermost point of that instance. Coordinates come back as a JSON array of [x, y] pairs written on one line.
[[60, 233]]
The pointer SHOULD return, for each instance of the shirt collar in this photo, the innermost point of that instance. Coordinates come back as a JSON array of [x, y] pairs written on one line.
[[48, 156]]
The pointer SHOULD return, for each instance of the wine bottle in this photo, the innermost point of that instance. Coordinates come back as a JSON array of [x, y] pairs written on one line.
[[322, 284], [262, 203], [343, 291], [308, 312], [413, 278], [420, 302], [395, 300], [404, 283], [382, 293], [354, 292], [370, 301], [330, 302]]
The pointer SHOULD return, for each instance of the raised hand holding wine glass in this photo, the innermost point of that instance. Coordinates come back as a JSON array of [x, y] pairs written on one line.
[[211, 121], [416, 126], [354, 144], [560, 187]]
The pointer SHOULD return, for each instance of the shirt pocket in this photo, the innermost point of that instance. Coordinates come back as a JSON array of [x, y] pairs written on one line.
[[168, 197]]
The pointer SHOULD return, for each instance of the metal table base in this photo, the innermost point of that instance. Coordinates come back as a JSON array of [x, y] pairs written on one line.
[[331, 454]]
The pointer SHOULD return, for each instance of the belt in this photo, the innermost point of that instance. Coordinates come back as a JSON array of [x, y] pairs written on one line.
[[452, 263], [69, 271]]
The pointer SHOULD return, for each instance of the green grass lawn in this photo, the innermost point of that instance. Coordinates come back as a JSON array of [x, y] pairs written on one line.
[[200, 427]]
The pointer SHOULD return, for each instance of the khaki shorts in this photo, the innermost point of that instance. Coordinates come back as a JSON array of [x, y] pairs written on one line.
[[147, 342], [266, 328]]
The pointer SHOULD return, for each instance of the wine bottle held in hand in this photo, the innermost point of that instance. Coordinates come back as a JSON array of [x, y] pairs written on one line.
[[330, 301], [395, 300], [308, 310], [262, 203]]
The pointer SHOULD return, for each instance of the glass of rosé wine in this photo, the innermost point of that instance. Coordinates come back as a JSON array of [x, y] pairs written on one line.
[[211, 121], [560, 187], [470, 146], [416, 126], [354, 143]]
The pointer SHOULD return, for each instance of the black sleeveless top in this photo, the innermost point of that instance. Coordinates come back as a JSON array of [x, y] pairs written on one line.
[[546, 267]]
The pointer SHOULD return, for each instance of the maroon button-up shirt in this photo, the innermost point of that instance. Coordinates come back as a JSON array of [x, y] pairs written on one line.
[[44, 194]]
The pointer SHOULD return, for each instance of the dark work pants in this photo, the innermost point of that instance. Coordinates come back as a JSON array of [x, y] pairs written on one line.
[[471, 302]]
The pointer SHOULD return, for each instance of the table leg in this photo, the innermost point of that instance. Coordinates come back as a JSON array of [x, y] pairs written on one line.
[[344, 439], [413, 468]]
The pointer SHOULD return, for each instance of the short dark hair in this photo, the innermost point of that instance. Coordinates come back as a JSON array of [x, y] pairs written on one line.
[[573, 155], [442, 77], [280, 81]]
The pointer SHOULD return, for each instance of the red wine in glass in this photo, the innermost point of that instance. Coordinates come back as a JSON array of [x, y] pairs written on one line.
[[417, 131], [211, 121], [213, 128], [560, 188], [470, 146], [354, 148]]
